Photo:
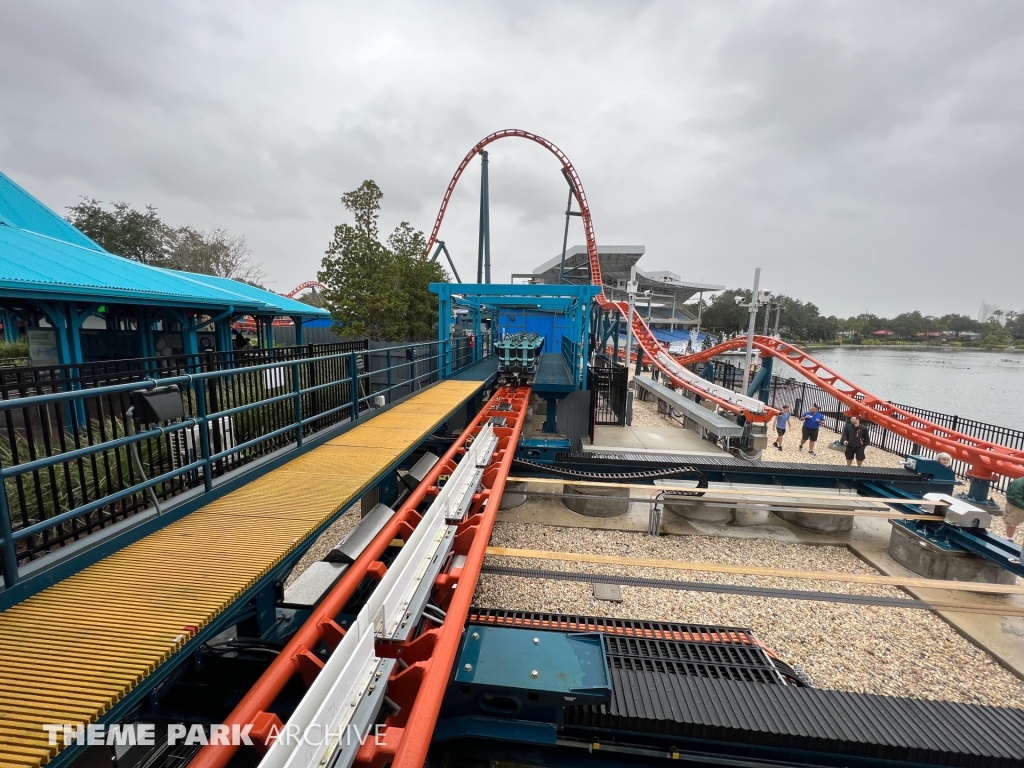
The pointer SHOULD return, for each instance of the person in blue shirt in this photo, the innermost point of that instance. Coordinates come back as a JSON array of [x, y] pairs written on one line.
[[812, 420], [780, 426]]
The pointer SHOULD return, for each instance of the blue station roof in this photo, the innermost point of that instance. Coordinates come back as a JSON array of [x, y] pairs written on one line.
[[44, 257], [20, 210]]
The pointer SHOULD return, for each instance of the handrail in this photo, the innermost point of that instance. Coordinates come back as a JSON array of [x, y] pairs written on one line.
[[473, 534], [203, 421]]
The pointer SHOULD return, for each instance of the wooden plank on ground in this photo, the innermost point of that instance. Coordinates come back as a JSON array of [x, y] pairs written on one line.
[[750, 570]]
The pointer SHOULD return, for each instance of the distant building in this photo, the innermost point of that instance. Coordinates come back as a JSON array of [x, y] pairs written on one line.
[[988, 312], [661, 308]]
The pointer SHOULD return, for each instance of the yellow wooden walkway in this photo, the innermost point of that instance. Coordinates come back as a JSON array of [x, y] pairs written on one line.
[[71, 652]]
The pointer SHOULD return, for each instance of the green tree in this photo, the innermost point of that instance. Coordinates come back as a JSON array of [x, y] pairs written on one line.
[[124, 231], [958, 324], [378, 290], [725, 315], [1015, 324], [142, 236]]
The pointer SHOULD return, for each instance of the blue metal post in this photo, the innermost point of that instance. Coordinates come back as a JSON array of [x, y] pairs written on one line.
[[483, 264], [7, 555], [300, 332], [204, 435], [10, 327], [297, 388], [354, 384], [388, 353]]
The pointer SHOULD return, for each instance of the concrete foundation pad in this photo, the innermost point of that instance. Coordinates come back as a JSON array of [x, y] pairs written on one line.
[[510, 498], [613, 501], [925, 558], [746, 516], [818, 522], [691, 508]]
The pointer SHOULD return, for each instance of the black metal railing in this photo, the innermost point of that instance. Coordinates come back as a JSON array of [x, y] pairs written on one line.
[[608, 391], [800, 395], [572, 354], [65, 456]]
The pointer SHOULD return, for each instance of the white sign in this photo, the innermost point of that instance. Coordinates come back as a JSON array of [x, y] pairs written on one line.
[[42, 346]]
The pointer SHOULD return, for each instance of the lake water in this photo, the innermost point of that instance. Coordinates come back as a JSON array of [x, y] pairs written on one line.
[[985, 386]]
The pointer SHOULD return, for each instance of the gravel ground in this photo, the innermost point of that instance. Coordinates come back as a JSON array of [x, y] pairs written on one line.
[[645, 414], [326, 542], [847, 647]]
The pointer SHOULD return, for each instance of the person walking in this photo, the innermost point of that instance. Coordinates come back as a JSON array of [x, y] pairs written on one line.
[[780, 426], [856, 439], [812, 421], [1013, 515]]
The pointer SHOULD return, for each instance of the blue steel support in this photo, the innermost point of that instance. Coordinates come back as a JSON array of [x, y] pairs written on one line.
[[300, 335], [8, 557], [354, 384], [437, 252], [204, 435], [144, 329], [444, 328], [297, 389], [478, 334], [760, 387], [551, 420], [978, 492], [10, 326], [483, 262]]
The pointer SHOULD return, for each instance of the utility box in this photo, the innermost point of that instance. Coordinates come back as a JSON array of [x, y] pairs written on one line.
[[159, 404], [506, 675]]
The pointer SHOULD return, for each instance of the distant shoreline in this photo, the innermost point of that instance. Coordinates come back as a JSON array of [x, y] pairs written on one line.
[[916, 347]]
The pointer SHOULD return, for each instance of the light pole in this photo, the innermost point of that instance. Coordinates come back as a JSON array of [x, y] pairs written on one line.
[[631, 298], [757, 298]]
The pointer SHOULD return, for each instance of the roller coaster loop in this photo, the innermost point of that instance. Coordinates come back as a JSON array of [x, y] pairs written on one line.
[[986, 459]]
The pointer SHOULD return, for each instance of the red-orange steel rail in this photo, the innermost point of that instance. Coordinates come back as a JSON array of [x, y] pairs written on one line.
[[645, 339], [420, 688], [986, 459], [303, 286], [430, 655]]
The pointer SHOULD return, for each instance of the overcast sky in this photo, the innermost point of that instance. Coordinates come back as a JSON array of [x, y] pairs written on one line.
[[867, 155]]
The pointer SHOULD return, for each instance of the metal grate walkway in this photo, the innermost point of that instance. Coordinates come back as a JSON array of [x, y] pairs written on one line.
[[71, 652]]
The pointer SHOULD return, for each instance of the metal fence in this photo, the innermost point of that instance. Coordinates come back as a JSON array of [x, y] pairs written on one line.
[[800, 394], [608, 391], [65, 444]]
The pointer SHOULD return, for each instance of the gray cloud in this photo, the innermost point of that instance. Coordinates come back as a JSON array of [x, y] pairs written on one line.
[[866, 155]]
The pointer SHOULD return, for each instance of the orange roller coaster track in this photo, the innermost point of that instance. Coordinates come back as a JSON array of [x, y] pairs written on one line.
[[986, 459], [656, 354]]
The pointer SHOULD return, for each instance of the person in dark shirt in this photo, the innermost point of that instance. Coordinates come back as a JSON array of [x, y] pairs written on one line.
[[856, 439], [812, 420], [780, 426]]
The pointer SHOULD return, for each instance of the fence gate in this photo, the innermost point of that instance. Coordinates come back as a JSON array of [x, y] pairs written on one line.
[[608, 394]]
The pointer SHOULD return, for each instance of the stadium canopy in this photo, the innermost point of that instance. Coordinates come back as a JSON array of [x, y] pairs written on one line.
[[668, 291], [56, 282]]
